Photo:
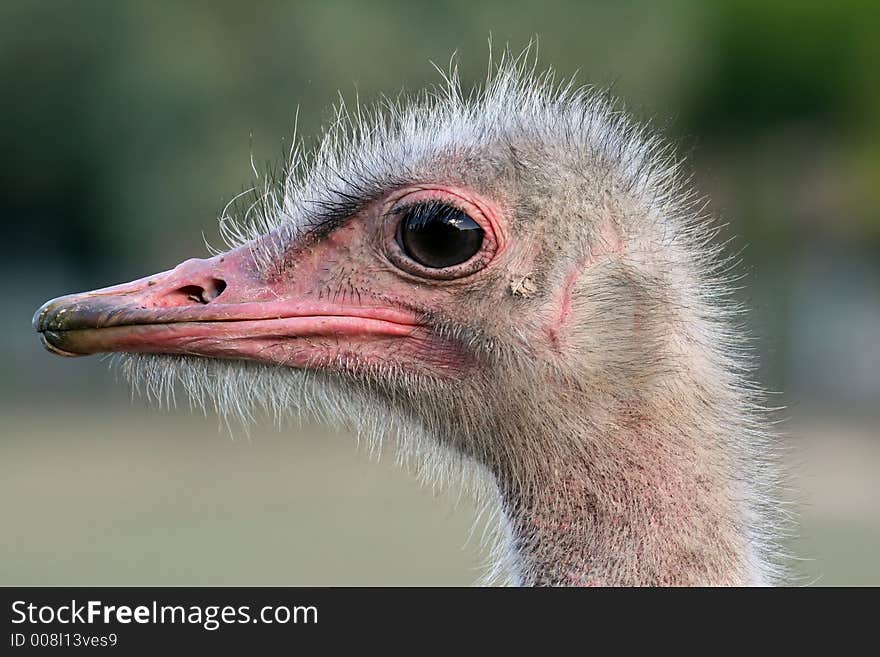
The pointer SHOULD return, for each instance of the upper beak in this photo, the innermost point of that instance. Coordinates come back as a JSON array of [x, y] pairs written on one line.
[[219, 307]]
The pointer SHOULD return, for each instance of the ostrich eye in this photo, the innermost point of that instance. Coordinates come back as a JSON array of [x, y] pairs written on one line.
[[438, 235]]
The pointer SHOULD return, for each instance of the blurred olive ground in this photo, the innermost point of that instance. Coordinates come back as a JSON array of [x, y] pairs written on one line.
[[110, 495], [123, 494]]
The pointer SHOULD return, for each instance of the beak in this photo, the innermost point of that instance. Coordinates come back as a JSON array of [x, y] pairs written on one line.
[[221, 307]]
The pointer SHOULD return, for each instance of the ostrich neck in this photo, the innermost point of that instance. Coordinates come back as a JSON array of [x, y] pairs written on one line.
[[627, 501]]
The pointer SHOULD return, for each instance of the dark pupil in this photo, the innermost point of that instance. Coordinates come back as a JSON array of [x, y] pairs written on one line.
[[437, 235]]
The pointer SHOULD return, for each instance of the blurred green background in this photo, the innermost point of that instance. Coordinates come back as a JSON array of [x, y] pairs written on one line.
[[125, 128]]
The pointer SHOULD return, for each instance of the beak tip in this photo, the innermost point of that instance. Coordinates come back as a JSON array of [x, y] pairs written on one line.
[[37, 321], [46, 323], [49, 340], [46, 315]]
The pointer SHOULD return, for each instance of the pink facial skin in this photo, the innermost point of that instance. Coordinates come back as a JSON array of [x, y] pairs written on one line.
[[609, 242], [348, 300]]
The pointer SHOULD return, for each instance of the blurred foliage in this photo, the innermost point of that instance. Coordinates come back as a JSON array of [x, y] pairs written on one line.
[[126, 125]]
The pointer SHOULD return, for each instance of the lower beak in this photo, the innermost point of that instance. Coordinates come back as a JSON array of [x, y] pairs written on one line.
[[218, 307]]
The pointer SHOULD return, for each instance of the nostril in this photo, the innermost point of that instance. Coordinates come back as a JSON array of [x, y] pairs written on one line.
[[218, 287], [193, 293], [199, 294]]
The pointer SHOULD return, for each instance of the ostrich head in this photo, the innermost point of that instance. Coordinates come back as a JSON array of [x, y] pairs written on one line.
[[520, 285]]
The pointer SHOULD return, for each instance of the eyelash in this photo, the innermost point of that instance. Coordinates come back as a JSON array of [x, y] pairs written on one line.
[[428, 210]]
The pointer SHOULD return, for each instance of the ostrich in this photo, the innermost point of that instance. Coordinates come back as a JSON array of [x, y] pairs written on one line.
[[516, 282]]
